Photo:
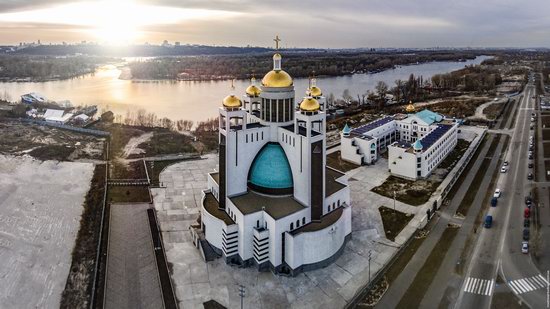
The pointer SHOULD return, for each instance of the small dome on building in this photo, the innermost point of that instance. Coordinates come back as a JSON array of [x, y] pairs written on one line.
[[277, 78], [315, 91], [347, 130], [410, 107], [309, 104], [253, 90], [417, 146], [270, 172], [231, 101]]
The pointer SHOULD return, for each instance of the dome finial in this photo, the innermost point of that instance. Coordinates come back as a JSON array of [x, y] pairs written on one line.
[[313, 90], [231, 101]]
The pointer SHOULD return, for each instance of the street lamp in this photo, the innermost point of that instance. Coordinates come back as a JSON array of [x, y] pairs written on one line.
[[370, 253], [241, 294], [394, 204]]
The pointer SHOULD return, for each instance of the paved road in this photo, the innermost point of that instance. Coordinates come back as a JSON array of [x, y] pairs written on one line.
[[132, 276], [499, 248]]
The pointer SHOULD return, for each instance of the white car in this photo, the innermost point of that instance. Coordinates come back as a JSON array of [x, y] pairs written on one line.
[[525, 247], [505, 163], [497, 193], [503, 169]]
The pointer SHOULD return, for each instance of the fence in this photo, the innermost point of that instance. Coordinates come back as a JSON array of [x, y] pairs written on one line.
[[67, 127]]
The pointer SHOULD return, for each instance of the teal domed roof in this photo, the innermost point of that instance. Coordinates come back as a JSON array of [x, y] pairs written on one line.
[[270, 172]]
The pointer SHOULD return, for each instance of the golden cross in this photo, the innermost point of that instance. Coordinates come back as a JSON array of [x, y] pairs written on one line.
[[277, 40], [233, 84]]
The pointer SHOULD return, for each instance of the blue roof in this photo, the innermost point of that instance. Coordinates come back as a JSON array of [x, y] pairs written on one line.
[[428, 116], [417, 145], [346, 129], [372, 125], [271, 169]]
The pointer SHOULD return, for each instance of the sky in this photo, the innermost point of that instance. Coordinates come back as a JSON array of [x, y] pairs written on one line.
[[299, 23]]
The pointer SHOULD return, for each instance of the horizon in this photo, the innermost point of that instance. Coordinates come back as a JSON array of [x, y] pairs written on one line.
[[319, 25]]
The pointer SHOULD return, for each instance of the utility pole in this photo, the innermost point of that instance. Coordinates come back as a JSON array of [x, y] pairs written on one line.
[[370, 253], [394, 194], [241, 294]]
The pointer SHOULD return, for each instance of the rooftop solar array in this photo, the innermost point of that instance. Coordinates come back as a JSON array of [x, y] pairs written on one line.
[[432, 137], [371, 125]]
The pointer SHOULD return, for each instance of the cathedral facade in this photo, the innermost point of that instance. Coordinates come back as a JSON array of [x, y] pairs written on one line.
[[274, 204]]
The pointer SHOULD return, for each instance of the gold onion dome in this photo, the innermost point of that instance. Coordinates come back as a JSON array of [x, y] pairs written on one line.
[[253, 90], [277, 78], [309, 104], [231, 101], [410, 108], [315, 91]]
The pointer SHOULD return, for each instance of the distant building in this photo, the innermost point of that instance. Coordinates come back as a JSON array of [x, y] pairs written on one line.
[[33, 97], [57, 116], [417, 142]]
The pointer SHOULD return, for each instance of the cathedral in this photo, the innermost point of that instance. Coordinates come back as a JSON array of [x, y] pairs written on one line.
[[274, 204]]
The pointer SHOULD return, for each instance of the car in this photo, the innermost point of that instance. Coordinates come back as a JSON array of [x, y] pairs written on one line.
[[488, 221], [524, 247], [530, 176], [505, 163], [530, 165], [528, 200], [531, 127], [525, 234], [503, 169], [494, 201], [526, 222], [526, 213], [532, 118], [531, 147], [530, 156], [497, 193]]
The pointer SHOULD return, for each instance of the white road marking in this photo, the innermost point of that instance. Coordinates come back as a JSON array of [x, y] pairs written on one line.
[[524, 285], [479, 286]]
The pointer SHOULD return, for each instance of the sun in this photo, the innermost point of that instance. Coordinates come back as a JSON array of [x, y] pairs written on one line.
[[117, 21]]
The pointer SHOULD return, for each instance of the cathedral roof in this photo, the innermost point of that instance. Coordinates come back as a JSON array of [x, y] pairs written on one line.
[[232, 101], [309, 104], [270, 172], [277, 78]]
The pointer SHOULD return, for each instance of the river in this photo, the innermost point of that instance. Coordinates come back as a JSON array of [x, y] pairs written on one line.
[[199, 100]]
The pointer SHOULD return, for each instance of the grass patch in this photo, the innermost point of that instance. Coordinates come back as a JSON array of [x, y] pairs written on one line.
[[506, 300], [545, 134], [393, 221], [414, 294], [120, 135], [513, 120], [545, 120], [335, 161], [166, 142], [546, 149], [506, 113], [492, 111], [407, 191], [128, 194], [79, 282], [132, 170], [52, 152], [454, 156]]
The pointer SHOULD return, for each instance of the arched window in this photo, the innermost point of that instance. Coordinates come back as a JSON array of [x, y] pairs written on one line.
[[303, 220], [291, 226], [297, 223]]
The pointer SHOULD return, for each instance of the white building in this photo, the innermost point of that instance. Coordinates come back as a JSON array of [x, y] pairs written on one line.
[[274, 203], [57, 116], [433, 136]]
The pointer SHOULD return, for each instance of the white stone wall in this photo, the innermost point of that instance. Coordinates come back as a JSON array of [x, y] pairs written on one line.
[[401, 162], [214, 226], [317, 246]]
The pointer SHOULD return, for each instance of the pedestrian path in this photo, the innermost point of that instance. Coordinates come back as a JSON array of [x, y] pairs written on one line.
[[525, 285], [479, 286]]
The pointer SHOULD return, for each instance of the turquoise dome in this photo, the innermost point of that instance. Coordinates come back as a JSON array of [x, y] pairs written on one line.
[[417, 145], [270, 172]]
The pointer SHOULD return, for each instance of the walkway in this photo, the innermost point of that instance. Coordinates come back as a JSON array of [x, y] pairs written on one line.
[[132, 275]]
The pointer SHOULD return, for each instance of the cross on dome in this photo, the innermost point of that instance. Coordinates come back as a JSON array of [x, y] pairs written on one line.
[[277, 40]]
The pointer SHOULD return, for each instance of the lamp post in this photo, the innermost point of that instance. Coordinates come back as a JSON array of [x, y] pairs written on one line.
[[394, 194], [241, 294], [370, 253]]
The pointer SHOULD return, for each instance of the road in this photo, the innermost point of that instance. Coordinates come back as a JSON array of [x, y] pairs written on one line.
[[498, 249]]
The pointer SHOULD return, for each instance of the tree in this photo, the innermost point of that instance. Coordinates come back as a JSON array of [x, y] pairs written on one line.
[[347, 96], [381, 89]]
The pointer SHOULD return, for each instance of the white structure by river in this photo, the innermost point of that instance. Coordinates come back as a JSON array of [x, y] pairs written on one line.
[[199, 100]]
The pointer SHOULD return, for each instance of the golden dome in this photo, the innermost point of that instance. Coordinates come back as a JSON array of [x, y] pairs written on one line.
[[277, 56], [315, 91], [309, 104], [231, 101], [410, 108], [277, 78], [253, 91]]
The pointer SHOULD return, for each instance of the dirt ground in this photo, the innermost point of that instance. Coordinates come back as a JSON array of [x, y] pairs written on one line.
[[40, 209], [47, 143]]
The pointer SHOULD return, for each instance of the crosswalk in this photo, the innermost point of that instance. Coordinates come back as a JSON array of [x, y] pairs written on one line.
[[479, 286], [525, 285]]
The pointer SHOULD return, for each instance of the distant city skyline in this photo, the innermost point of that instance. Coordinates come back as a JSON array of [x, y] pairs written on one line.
[[316, 24]]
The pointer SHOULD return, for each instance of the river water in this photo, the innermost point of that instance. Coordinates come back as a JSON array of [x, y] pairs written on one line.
[[199, 100]]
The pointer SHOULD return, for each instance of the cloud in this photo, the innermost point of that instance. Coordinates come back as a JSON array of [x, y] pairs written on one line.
[[345, 23]]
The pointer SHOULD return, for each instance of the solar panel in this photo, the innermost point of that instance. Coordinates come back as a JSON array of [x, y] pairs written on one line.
[[372, 125], [432, 137]]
